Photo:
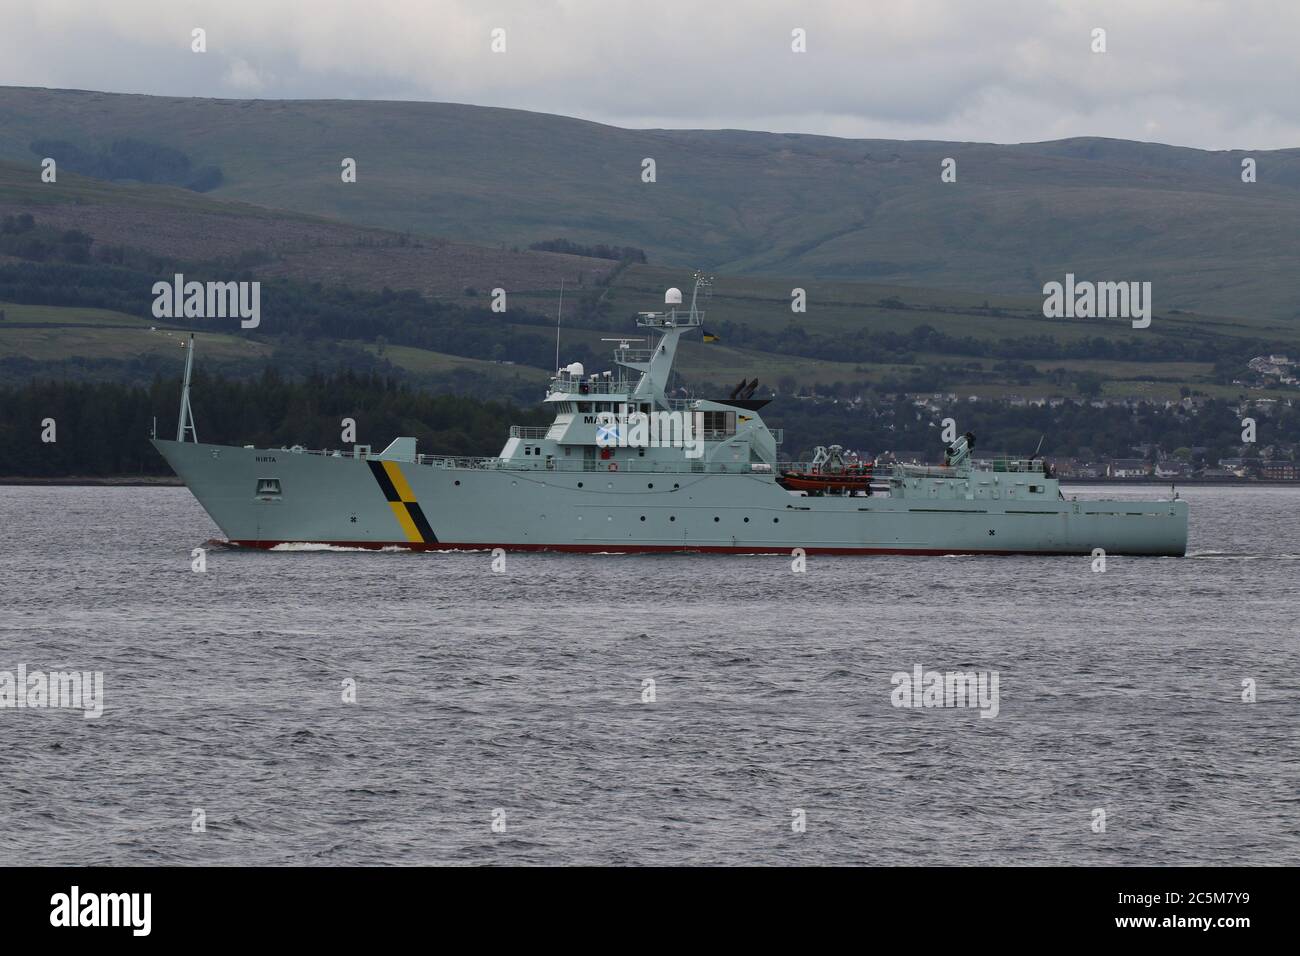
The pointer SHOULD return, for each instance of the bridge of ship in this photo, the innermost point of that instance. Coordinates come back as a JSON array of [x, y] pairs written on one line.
[[594, 425]]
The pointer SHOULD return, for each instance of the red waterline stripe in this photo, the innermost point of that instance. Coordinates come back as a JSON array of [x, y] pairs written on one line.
[[658, 548]]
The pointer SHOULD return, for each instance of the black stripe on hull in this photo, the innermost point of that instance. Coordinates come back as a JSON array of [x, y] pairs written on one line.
[[421, 522], [381, 476]]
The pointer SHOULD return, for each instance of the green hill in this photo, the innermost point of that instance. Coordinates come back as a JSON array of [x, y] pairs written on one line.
[[171, 222], [736, 202]]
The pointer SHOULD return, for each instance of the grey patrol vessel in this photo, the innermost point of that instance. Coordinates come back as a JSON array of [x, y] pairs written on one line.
[[625, 468]]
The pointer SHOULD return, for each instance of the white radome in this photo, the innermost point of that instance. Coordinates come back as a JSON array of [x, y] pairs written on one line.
[[673, 297]]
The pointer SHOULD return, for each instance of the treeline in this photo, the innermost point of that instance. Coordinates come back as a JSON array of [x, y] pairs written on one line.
[[598, 251], [103, 428], [890, 347], [21, 238], [131, 159], [1071, 430], [956, 375], [122, 279]]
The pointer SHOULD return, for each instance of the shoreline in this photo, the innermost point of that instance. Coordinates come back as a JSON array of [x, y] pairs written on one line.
[[90, 481], [1204, 482], [171, 481]]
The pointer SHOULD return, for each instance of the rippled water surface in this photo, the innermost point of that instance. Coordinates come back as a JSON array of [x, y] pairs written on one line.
[[520, 693]]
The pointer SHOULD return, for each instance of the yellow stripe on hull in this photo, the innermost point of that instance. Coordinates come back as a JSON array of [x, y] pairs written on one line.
[[399, 481], [404, 519]]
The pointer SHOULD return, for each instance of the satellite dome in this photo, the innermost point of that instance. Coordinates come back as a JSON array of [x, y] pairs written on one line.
[[673, 297]]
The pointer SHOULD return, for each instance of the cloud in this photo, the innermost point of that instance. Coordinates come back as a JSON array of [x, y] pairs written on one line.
[[244, 77], [1195, 72]]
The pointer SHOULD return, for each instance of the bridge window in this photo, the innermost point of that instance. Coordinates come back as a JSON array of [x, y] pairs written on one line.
[[721, 422]]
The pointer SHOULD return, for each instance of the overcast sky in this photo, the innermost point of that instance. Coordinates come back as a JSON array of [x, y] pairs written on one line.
[[1211, 73]]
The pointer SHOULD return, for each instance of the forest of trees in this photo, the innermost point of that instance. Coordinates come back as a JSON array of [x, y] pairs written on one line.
[[597, 251], [102, 421], [131, 159], [61, 271], [21, 238], [65, 269], [103, 428], [1073, 429], [885, 346]]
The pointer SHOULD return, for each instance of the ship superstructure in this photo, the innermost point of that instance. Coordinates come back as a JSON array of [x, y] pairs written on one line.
[[624, 467]]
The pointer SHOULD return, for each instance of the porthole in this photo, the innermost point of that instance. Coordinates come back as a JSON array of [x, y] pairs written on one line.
[[579, 484], [746, 521], [643, 517], [458, 481], [776, 521], [716, 518], [650, 484], [672, 517]]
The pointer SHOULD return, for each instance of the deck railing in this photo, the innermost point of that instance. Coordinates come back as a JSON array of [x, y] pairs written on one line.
[[537, 432], [596, 466], [569, 385], [529, 431]]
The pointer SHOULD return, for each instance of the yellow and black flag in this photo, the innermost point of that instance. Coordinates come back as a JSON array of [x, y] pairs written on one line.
[[710, 337]]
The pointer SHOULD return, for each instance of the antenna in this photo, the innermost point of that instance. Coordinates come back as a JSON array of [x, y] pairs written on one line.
[[701, 282], [558, 312], [1038, 449], [186, 421]]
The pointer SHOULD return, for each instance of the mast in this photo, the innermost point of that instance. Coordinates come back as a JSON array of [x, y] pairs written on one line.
[[185, 423], [559, 312], [670, 325]]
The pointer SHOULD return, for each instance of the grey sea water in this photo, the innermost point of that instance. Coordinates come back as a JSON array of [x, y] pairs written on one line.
[[519, 696]]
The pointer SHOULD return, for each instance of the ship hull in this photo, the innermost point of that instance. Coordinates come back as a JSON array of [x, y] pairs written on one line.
[[374, 504]]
